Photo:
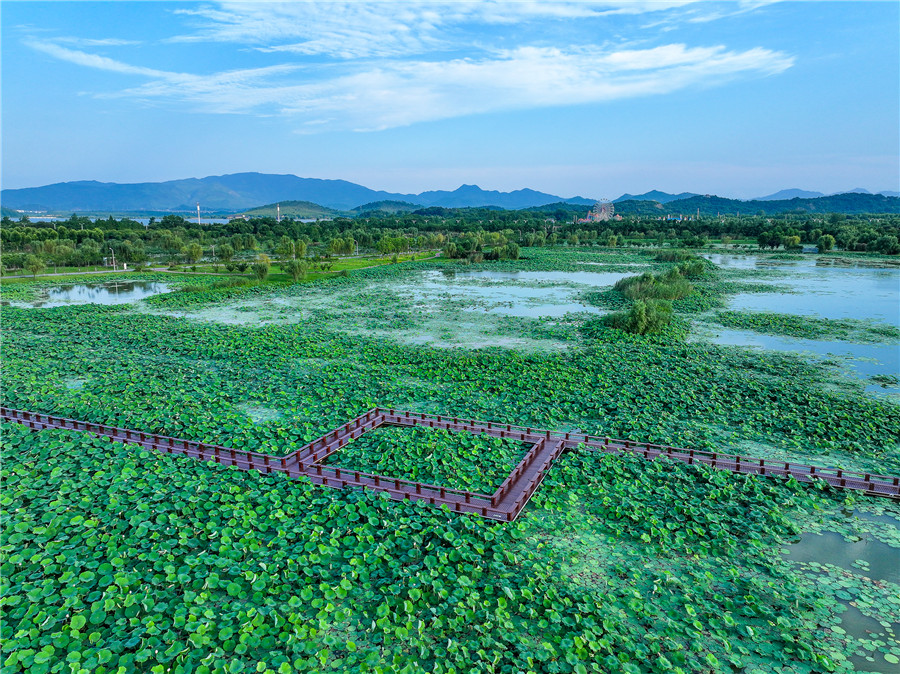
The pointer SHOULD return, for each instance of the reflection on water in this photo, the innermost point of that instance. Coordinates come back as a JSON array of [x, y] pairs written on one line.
[[819, 288], [867, 557], [532, 294], [881, 561], [114, 292], [862, 361]]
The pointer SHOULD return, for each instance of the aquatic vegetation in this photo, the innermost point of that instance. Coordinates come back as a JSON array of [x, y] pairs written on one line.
[[216, 285], [670, 285], [115, 557], [460, 460], [808, 327], [674, 255], [648, 317]]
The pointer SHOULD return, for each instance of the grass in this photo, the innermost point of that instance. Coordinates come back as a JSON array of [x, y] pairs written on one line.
[[670, 285], [277, 277]]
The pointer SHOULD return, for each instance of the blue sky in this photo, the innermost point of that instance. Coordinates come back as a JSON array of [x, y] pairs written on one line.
[[575, 98]]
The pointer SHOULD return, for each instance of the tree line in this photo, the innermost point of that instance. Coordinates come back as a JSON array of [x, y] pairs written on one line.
[[471, 233]]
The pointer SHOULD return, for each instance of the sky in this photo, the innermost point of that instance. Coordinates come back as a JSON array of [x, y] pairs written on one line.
[[592, 99]]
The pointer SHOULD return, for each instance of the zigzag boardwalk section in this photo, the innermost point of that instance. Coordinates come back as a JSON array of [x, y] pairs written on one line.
[[504, 504]]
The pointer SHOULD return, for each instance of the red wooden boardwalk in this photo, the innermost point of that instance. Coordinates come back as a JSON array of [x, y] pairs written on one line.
[[504, 504]]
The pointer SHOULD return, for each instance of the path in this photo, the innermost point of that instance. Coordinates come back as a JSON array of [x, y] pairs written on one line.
[[505, 504]]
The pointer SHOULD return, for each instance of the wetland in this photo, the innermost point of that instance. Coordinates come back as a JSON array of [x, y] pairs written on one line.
[[116, 556]]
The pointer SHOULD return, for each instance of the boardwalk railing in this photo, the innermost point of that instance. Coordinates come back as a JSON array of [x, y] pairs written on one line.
[[504, 504]]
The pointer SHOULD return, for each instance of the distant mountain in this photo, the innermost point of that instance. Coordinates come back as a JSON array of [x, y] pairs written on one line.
[[654, 195], [792, 193], [888, 193], [849, 203], [240, 191], [472, 195]]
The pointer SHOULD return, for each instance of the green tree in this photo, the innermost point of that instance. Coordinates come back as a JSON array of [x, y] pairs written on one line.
[[296, 268], [285, 249], [887, 245], [825, 243], [34, 264], [193, 252], [261, 270], [225, 252]]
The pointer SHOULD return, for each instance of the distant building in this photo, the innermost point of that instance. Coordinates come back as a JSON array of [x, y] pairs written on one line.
[[601, 212]]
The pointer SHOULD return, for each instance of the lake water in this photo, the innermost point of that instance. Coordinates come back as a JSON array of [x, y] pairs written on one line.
[[533, 294], [868, 558], [862, 361], [822, 289], [115, 292]]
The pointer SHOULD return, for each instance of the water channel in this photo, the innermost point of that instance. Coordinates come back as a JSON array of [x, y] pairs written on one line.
[[113, 292]]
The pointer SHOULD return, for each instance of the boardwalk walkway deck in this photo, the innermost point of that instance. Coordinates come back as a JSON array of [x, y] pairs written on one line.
[[505, 504]]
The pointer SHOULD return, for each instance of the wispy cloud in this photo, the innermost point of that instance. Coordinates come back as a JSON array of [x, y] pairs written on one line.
[[364, 29], [396, 64], [400, 93], [82, 58], [96, 42]]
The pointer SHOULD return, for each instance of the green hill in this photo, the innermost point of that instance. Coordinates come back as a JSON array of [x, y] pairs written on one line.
[[850, 203], [387, 206], [294, 209]]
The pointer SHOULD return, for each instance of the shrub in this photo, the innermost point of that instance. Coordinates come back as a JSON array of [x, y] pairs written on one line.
[[669, 286], [674, 256], [241, 266], [296, 269], [692, 268], [261, 270], [645, 317]]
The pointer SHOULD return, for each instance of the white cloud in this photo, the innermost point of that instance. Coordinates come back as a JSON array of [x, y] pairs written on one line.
[[375, 29], [401, 93], [391, 68], [94, 42], [92, 60]]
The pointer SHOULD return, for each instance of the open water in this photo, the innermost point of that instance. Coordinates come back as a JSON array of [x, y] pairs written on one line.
[[817, 287], [114, 292]]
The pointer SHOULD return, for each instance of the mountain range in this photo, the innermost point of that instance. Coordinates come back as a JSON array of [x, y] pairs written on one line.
[[241, 191], [795, 193], [234, 193], [655, 195]]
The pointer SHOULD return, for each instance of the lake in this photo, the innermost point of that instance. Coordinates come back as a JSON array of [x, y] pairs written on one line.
[[113, 292]]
